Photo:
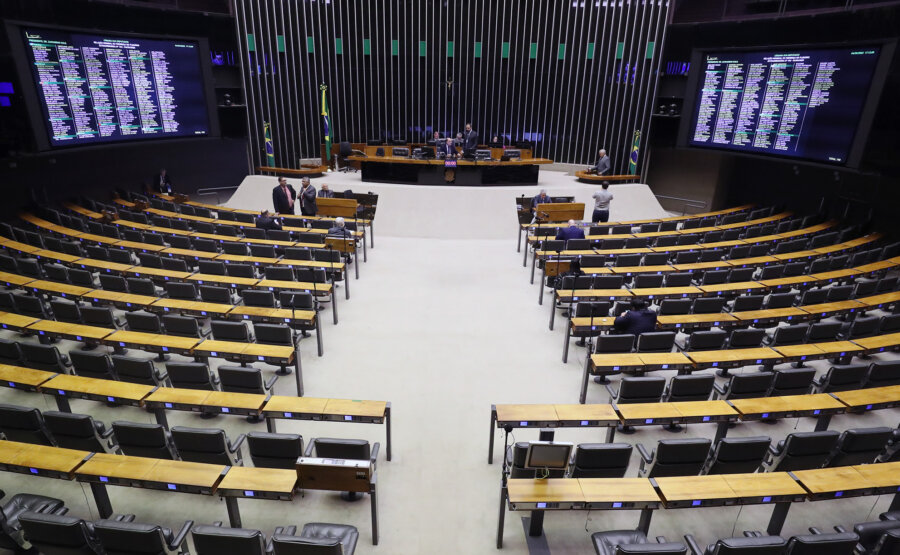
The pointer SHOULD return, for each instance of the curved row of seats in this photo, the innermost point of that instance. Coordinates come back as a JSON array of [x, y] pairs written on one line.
[[687, 221]]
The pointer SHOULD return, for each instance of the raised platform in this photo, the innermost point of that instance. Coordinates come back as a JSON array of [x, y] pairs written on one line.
[[304, 171], [594, 178], [395, 169]]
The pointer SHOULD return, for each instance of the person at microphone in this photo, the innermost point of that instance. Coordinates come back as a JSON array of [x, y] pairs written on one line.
[[448, 149], [339, 229]]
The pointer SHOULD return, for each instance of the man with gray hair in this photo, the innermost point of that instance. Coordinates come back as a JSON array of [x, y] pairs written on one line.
[[339, 229], [603, 164], [540, 198], [308, 199]]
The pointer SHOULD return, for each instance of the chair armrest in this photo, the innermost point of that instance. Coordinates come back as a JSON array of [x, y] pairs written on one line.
[[309, 447], [773, 450], [693, 545], [182, 534], [236, 445], [612, 393], [645, 456], [840, 529], [661, 539], [374, 456], [124, 518], [61, 511], [107, 433], [752, 534], [720, 389], [217, 523], [271, 382], [814, 530]]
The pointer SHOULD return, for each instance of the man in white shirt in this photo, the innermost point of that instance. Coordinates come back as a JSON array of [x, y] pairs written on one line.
[[602, 199]]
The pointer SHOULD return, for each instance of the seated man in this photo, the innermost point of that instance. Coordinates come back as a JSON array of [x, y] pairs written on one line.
[[266, 221], [571, 232], [540, 198], [638, 320], [325, 192], [339, 229]]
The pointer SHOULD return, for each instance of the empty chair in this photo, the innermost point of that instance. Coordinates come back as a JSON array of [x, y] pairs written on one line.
[[150, 260], [889, 324], [689, 388], [656, 342], [58, 534], [644, 389], [240, 270], [839, 293], [819, 266], [656, 259], [748, 302], [244, 379], [216, 539], [841, 378], [274, 450], [679, 279], [883, 373], [44, 357], [298, 253], [215, 294], [823, 331], [781, 300], [137, 370], [880, 537], [814, 296], [788, 335], [317, 538], [600, 460], [675, 306], [822, 544], [710, 305], [859, 446], [739, 275], [279, 234], [208, 245], [262, 251], [81, 278], [24, 424], [191, 375], [738, 252], [608, 282], [207, 445], [636, 243], [180, 242], [27, 305], [80, 431], [254, 233], [793, 381], [774, 271], [174, 264], [674, 457], [253, 297], [737, 455], [745, 386], [230, 331], [226, 230], [612, 244], [571, 245], [66, 311], [144, 322], [748, 338], [144, 440], [182, 291], [10, 352], [614, 542], [687, 257], [800, 451], [621, 343], [121, 536], [862, 326], [56, 272], [648, 280], [709, 340], [281, 273], [751, 545], [120, 256], [92, 365], [29, 267], [183, 326], [714, 277], [212, 267]]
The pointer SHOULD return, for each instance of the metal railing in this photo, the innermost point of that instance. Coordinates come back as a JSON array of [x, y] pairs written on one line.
[[214, 191], [686, 203]]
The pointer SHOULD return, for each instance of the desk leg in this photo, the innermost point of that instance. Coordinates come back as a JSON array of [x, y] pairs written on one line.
[[234, 513], [533, 261], [356, 264], [101, 497], [62, 403], [519, 241], [270, 425], [552, 307], [895, 504], [372, 233], [502, 517], [822, 422], [346, 285], [779, 514], [387, 430], [161, 419], [365, 252], [334, 306], [644, 522], [491, 436], [319, 340], [298, 367], [568, 336], [374, 500], [721, 431], [585, 377], [541, 286], [611, 434], [536, 526]]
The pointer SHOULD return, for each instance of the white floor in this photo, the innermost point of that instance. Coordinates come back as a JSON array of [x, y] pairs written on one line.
[[443, 326]]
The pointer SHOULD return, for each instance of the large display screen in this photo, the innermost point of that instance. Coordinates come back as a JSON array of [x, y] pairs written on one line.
[[796, 103], [102, 88]]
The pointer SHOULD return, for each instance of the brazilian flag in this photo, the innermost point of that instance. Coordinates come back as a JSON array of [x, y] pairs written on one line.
[[635, 146], [326, 120], [270, 148]]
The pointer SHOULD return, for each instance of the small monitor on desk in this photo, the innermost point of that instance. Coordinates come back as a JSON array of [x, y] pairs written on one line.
[[404, 152], [482, 154], [511, 153], [548, 455], [374, 142]]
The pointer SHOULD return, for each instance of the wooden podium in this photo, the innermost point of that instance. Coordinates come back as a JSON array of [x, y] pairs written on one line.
[[560, 212], [344, 207]]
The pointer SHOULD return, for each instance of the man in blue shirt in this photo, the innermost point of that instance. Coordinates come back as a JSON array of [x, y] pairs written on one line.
[[571, 232]]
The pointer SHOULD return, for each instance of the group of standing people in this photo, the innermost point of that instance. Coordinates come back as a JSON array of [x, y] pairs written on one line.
[[284, 197]]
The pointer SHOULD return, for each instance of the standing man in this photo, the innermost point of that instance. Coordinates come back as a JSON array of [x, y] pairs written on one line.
[[470, 140], [603, 163], [308, 199], [601, 204], [325, 192], [283, 196], [162, 183]]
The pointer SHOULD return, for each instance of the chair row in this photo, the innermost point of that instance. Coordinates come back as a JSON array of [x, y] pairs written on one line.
[[733, 215]]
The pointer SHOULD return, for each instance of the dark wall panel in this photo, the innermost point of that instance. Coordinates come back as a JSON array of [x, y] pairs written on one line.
[[572, 76]]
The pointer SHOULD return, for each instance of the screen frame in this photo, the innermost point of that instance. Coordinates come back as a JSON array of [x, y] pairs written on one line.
[[866, 117], [19, 54]]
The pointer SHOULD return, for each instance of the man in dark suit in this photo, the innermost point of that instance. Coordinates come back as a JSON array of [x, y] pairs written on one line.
[[638, 320], [603, 164], [470, 139], [339, 229], [447, 148], [162, 183], [266, 221], [325, 192], [571, 232], [308, 199], [283, 197], [539, 198]]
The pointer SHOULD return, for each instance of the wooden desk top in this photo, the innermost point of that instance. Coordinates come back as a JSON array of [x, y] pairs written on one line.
[[597, 322], [593, 293], [664, 359], [294, 285], [837, 347], [190, 252], [22, 375], [781, 313], [309, 263], [273, 480], [825, 309], [56, 287], [648, 411], [879, 341], [616, 360], [666, 291], [102, 264], [94, 386], [641, 269], [611, 490], [116, 466], [732, 355], [884, 298], [185, 473], [280, 313], [64, 328], [9, 450], [9, 319], [55, 459], [688, 488], [227, 280], [835, 274], [282, 352], [176, 395], [880, 475], [245, 401], [871, 396], [579, 413], [299, 405], [787, 403], [139, 271], [804, 350], [353, 407], [134, 245], [524, 413], [726, 287], [14, 279], [194, 306], [116, 297], [762, 484], [552, 490], [716, 264], [694, 409], [716, 318], [141, 338], [831, 480]]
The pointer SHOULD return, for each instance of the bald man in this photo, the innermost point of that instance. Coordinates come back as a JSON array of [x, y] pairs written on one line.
[[571, 232]]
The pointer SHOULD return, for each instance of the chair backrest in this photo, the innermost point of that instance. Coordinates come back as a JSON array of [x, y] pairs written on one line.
[[190, 375], [707, 340], [273, 334], [180, 290], [203, 445], [91, 364], [648, 280], [174, 264], [804, 450], [781, 300], [286, 544], [240, 270], [298, 253], [883, 373], [135, 370], [241, 379], [253, 297], [333, 448], [601, 460], [282, 273], [814, 296], [184, 326], [839, 293], [790, 335], [43, 357], [823, 331], [131, 538], [608, 282], [823, 544], [860, 446], [143, 321], [215, 540], [743, 386], [679, 457], [674, 306], [212, 267], [143, 440], [737, 455], [275, 450], [696, 387], [65, 311], [301, 300], [24, 424], [708, 305], [679, 279], [215, 294], [864, 326], [843, 378], [645, 389], [792, 381], [656, 342], [765, 545], [77, 431], [746, 338], [596, 309], [620, 343], [29, 306], [230, 331], [54, 534]]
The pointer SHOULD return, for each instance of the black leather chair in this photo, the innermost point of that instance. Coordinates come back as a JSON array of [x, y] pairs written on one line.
[[823, 331], [183, 326], [792, 381], [518, 453], [182, 291], [254, 297], [800, 451], [748, 302], [656, 342], [139, 370], [143, 286], [350, 449], [80, 431], [274, 450], [216, 540], [244, 379], [144, 440], [92, 365], [25, 424], [746, 338], [860, 446], [212, 267], [696, 387], [57, 534], [620, 542], [822, 544], [883, 373], [600, 460], [230, 331], [192, 375], [788, 335], [44, 357], [706, 340], [745, 386], [317, 538], [102, 316], [841, 378], [124, 536], [207, 445], [674, 457], [737, 455], [637, 390], [752, 545], [709, 305], [221, 295], [871, 534], [142, 321], [782, 300], [66, 311], [10, 352], [672, 307]]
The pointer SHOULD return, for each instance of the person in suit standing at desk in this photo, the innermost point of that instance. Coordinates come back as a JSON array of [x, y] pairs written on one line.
[[447, 149], [571, 232], [602, 199], [308, 199], [162, 183], [603, 164], [325, 192], [266, 221], [283, 197], [470, 139]]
